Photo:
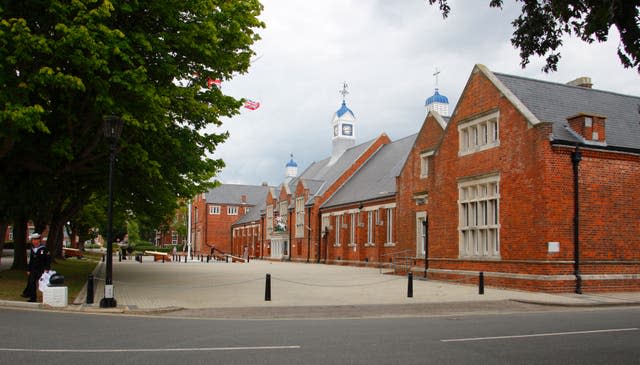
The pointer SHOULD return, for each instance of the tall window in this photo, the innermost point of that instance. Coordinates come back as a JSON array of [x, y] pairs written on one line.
[[338, 226], [282, 208], [232, 210], [352, 229], [389, 225], [370, 227], [479, 219], [11, 233], [214, 209], [269, 219], [299, 217], [424, 164], [421, 234], [174, 237], [479, 134]]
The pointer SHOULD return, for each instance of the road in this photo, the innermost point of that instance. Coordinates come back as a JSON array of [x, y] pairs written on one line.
[[602, 336]]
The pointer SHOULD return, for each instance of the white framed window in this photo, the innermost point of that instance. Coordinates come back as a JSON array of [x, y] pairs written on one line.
[[424, 163], [479, 134], [370, 227], [421, 234], [338, 226], [352, 228], [232, 210], [325, 223], [10, 233], [282, 210], [390, 225], [214, 209], [269, 219], [299, 217], [479, 221], [174, 237]]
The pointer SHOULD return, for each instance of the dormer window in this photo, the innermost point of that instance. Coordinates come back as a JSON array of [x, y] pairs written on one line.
[[424, 164], [479, 134]]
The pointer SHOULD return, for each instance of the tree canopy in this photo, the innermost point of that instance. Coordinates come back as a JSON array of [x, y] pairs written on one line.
[[65, 65], [542, 24]]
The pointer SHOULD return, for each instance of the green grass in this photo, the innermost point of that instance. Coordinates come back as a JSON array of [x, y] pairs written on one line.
[[75, 272]]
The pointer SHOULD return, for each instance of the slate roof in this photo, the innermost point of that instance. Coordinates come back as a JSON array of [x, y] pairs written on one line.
[[377, 177], [554, 102], [253, 215], [319, 176], [232, 194]]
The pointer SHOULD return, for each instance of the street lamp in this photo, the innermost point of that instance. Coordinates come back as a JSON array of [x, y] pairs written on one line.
[[112, 131]]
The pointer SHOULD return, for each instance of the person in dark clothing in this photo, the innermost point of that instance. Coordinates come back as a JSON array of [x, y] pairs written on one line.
[[39, 262]]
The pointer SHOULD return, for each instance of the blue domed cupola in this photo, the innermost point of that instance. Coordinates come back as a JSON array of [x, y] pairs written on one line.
[[344, 110], [343, 127], [439, 103], [292, 169]]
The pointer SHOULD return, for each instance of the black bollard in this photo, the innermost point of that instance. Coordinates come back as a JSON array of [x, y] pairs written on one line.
[[201, 258], [267, 288], [102, 258], [410, 285], [481, 283], [119, 257], [163, 259], [90, 289]]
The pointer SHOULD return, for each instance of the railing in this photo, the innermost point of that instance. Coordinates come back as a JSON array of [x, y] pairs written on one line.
[[399, 262]]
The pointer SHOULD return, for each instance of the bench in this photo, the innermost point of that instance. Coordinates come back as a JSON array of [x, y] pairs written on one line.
[[71, 252], [158, 256]]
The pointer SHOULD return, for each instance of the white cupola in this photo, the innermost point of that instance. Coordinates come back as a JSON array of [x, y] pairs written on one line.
[[343, 129]]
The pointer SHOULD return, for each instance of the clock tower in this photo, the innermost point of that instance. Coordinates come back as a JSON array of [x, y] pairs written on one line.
[[343, 130]]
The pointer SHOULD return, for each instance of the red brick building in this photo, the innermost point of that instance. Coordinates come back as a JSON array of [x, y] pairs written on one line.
[[530, 182], [498, 193], [214, 212]]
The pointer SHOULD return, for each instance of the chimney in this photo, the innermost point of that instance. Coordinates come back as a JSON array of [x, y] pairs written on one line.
[[589, 126], [583, 81]]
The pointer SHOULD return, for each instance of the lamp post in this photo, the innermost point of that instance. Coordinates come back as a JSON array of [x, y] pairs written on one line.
[[112, 131]]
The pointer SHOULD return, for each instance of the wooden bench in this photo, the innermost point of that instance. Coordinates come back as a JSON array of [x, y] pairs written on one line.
[[158, 256], [71, 252]]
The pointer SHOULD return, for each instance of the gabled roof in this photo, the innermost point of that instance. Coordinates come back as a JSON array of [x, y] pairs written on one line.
[[543, 101], [253, 215], [319, 176], [232, 194], [377, 177]]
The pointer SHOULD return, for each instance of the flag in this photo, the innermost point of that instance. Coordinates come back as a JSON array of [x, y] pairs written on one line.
[[251, 105], [211, 81]]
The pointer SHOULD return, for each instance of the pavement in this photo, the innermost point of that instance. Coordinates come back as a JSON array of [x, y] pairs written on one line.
[[238, 290]]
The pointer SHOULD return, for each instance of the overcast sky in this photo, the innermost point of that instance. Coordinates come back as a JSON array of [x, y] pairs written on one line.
[[387, 52]]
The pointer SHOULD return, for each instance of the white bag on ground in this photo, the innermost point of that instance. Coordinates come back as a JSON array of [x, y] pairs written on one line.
[[43, 282]]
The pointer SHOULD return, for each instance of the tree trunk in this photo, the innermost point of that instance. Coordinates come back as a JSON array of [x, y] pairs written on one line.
[[3, 232], [20, 244], [54, 238]]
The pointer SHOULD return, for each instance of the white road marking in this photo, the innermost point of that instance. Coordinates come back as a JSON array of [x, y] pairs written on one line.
[[155, 350], [539, 335]]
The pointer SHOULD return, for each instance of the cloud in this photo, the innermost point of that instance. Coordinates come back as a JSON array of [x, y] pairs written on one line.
[[387, 52]]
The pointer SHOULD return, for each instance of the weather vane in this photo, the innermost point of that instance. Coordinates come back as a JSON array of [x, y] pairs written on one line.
[[344, 91], [435, 74]]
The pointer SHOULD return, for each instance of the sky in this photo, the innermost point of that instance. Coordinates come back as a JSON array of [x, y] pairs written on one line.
[[387, 52]]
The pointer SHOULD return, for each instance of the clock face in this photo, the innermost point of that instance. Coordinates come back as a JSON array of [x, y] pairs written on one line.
[[347, 130], [335, 130]]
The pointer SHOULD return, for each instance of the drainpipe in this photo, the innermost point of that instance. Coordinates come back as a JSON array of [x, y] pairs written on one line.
[[319, 237], [576, 157], [290, 248], [308, 234]]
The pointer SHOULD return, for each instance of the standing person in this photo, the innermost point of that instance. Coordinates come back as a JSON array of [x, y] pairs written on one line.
[[39, 262]]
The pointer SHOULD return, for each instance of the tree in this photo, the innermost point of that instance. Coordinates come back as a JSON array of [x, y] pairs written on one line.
[[65, 65], [542, 24]]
